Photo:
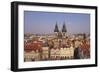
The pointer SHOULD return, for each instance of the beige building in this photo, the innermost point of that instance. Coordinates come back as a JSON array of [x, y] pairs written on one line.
[[45, 53], [32, 56], [62, 52]]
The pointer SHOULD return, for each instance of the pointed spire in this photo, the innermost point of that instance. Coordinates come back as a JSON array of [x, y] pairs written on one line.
[[56, 28], [64, 28]]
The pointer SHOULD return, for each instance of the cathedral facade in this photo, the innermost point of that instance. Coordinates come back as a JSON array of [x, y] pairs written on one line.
[[60, 34]]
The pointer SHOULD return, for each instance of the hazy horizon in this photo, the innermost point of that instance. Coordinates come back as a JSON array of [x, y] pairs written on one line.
[[44, 22]]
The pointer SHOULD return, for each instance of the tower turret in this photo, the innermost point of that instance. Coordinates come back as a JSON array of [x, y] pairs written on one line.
[[64, 30]]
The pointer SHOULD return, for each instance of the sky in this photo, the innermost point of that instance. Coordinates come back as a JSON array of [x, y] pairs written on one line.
[[44, 22]]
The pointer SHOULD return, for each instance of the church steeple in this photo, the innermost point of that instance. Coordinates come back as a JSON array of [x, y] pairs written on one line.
[[56, 28], [64, 28]]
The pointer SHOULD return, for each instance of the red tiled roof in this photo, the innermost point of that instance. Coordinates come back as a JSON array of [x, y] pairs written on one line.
[[85, 48], [37, 45]]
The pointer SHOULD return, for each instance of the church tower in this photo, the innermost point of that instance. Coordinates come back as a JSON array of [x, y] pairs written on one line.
[[64, 30], [56, 30]]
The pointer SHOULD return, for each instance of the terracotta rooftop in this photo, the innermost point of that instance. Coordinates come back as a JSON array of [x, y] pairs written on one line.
[[36, 45]]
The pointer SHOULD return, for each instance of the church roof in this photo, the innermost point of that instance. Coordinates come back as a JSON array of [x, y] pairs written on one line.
[[64, 28], [56, 28]]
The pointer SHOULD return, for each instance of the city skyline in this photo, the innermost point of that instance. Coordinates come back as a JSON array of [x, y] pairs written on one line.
[[44, 22]]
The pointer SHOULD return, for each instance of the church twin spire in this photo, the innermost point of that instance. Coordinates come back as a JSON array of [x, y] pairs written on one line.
[[63, 28]]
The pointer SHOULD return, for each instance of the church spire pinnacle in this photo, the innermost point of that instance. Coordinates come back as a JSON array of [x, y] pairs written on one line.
[[64, 28], [56, 28]]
